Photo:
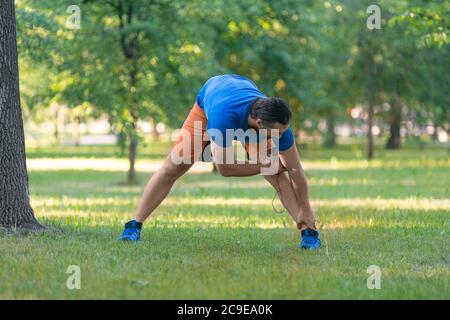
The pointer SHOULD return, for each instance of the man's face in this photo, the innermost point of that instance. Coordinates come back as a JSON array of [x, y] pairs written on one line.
[[269, 129]]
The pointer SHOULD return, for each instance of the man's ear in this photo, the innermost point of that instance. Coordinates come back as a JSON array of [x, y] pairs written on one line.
[[259, 123]]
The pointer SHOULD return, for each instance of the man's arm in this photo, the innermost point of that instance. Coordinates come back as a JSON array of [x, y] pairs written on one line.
[[291, 161], [233, 169]]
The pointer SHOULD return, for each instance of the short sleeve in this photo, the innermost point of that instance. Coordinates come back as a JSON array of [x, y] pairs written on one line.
[[286, 140], [200, 96], [218, 123]]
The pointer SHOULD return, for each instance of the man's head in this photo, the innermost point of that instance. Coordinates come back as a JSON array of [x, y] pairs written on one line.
[[270, 113]]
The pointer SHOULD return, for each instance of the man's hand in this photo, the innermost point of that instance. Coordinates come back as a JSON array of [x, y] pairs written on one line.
[[306, 220]]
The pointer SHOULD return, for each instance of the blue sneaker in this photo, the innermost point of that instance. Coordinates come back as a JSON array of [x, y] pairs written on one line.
[[310, 240], [132, 231]]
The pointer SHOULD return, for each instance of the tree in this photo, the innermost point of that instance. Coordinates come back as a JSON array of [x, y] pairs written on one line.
[[271, 42], [133, 60], [330, 92], [378, 70], [142, 60], [428, 23], [15, 208], [147, 53]]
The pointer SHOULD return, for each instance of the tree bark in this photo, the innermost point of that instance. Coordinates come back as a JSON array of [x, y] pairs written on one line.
[[395, 118], [15, 208], [130, 50], [330, 135], [133, 134], [132, 158]]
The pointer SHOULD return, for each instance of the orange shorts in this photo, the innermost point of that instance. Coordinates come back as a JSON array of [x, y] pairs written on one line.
[[192, 132], [193, 140]]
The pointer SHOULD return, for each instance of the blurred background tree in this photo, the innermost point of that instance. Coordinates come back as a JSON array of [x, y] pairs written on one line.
[[136, 61]]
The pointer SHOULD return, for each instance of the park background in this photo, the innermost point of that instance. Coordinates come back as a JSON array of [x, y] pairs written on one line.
[[101, 105]]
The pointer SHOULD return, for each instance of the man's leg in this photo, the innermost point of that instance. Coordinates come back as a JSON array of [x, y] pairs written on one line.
[[283, 186], [186, 151], [158, 187], [289, 184]]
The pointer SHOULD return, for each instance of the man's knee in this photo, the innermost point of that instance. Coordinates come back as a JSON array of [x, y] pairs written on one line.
[[224, 170], [273, 180], [174, 170], [272, 177]]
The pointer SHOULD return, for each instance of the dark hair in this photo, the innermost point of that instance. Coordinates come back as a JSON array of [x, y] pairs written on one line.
[[271, 110]]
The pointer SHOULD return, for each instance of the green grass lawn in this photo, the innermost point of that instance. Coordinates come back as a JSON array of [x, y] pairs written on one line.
[[218, 237]]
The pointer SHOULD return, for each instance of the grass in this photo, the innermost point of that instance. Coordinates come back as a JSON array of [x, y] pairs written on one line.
[[218, 237]]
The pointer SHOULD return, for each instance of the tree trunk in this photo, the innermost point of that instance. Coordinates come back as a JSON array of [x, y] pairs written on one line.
[[132, 158], [369, 131], [130, 50], [56, 125], [15, 208], [434, 136], [330, 135], [76, 131], [395, 118]]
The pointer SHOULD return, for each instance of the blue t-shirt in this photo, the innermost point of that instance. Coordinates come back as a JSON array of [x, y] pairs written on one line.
[[226, 100]]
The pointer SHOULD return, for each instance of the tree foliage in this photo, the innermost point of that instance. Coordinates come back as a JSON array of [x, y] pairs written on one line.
[[147, 59]]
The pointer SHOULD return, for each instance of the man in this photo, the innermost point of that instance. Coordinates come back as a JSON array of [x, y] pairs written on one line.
[[225, 105]]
